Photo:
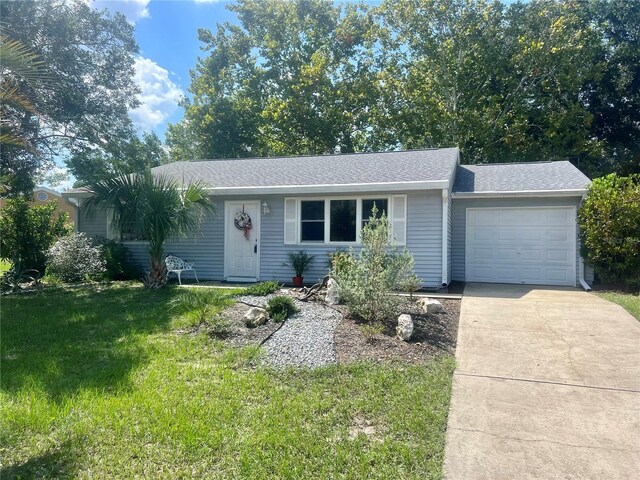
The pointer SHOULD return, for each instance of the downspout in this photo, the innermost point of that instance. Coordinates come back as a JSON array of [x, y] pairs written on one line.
[[581, 279], [445, 237]]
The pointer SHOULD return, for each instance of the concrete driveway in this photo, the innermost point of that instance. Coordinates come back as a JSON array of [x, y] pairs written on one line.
[[547, 386]]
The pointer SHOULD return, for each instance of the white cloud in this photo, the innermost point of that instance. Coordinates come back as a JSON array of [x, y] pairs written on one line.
[[159, 96], [132, 9]]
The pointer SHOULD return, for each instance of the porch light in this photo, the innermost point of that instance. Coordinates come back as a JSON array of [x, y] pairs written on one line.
[[265, 208]]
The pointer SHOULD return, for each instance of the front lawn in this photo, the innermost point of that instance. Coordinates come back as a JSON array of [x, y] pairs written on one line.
[[630, 302], [104, 382]]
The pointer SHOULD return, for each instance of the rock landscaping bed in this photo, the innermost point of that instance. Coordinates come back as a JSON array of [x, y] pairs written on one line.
[[434, 334], [320, 334]]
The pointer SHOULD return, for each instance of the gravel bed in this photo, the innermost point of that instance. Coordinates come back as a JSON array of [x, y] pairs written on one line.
[[305, 340]]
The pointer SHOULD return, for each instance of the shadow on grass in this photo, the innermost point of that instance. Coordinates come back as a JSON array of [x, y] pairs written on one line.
[[54, 463], [64, 340]]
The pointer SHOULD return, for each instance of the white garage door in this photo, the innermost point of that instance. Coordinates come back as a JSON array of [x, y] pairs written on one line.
[[521, 245]]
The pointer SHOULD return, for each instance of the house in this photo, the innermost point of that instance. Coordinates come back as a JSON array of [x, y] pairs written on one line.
[[44, 195], [506, 223]]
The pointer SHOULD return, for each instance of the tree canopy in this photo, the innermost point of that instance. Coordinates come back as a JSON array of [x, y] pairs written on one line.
[[88, 56], [538, 80]]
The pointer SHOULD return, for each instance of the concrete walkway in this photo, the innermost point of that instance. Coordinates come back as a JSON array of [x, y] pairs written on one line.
[[547, 386]]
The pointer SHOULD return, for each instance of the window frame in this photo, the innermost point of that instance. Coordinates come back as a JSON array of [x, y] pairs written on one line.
[[327, 216]]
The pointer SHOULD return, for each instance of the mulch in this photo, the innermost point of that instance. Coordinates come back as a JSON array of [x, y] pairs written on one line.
[[434, 334]]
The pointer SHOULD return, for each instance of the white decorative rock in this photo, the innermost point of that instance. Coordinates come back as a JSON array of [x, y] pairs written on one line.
[[255, 317], [405, 327], [332, 297], [429, 305]]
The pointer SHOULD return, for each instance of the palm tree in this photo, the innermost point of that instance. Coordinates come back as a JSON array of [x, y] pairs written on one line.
[[157, 209], [22, 71]]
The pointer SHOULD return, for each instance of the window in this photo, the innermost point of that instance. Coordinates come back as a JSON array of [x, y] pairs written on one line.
[[42, 196], [343, 220], [339, 220], [382, 204], [312, 221]]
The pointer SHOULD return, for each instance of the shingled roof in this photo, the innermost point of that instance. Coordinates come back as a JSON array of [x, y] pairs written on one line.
[[559, 176], [399, 170]]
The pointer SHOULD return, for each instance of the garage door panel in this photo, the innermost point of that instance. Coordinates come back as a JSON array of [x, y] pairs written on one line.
[[521, 245], [557, 235], [559, 256]]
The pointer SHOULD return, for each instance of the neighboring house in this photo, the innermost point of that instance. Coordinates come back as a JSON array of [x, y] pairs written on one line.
[[44, 195], [508, 223]]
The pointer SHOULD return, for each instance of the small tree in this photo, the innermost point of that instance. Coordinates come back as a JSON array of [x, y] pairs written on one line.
[[28, 231], [367, 280], [75, 258], [157, 208], [609, 222]]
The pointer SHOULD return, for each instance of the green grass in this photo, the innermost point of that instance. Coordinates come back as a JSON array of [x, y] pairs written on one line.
[[100, 384], [630, 302]]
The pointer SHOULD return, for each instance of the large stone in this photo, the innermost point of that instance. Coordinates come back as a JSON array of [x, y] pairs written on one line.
[[255, 317], [429, 305], [333, 296], [405, 327]]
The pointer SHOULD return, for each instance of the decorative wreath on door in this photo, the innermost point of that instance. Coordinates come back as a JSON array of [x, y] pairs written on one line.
[[242, 221]]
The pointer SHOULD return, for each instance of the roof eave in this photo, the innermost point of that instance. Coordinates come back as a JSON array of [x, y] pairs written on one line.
[[331, 189], [523, 193]]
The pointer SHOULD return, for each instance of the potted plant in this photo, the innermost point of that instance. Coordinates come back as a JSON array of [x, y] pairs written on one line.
[[299, 262]]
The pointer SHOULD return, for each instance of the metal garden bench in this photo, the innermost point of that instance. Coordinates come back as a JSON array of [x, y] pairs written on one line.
[[177, 265]]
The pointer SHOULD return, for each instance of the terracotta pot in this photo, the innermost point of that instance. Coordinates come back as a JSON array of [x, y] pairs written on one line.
[[297, 281]]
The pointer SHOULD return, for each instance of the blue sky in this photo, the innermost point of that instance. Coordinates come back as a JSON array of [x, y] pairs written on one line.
[[167, 32]]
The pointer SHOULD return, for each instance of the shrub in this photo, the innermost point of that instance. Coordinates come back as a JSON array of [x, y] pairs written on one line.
[[263, 288], [28, 231], [201, 306], [371, 331], [341, 261], [609, 221], [119, 263], [368, 280], [281, 307], [74, 258]]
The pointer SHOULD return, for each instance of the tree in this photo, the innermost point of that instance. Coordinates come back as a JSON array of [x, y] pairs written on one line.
[[293, 78], [613, 95], [89, 56], [503, 83], [609, 222], [157, 207], [22, 73], [29, 231], [118, 156]]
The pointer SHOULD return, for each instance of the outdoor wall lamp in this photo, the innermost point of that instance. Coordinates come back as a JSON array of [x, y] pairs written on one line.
[[265, 208]]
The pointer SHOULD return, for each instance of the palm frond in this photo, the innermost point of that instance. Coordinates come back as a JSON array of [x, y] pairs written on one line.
[[21, 61], [11, 95]]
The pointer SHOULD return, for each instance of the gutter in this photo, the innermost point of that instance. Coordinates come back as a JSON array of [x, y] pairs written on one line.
[[521, 193]]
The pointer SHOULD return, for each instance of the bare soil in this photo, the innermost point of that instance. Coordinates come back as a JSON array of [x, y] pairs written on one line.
[[434, 334]]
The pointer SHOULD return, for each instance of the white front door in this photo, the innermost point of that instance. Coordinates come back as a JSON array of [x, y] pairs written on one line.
[[521, 245], [241, 246]]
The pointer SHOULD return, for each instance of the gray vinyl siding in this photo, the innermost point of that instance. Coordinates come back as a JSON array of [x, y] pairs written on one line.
[[93, 222], [206, 249], [424, 240], [459, 224]]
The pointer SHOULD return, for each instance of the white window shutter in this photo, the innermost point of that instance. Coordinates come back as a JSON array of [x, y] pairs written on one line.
[[399, 219], [290, 221]]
